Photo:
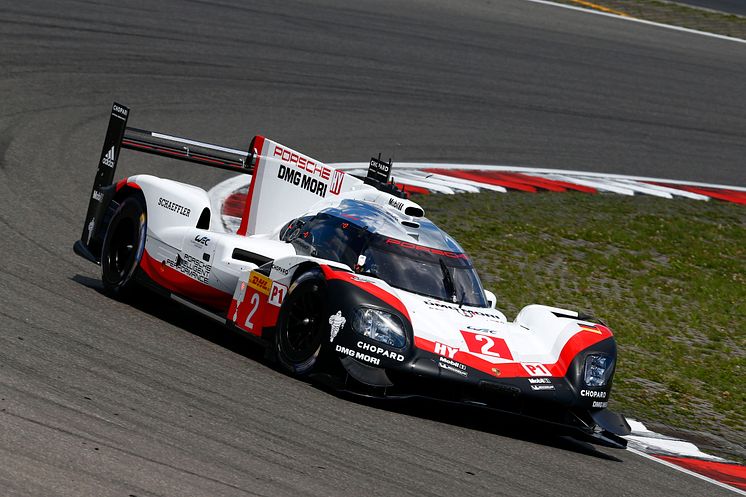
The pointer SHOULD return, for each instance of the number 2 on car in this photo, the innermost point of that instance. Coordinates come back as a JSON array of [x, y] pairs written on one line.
[[251, 310], [486, 345]]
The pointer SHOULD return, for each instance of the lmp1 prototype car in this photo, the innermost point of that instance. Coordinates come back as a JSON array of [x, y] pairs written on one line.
[[344, 280]]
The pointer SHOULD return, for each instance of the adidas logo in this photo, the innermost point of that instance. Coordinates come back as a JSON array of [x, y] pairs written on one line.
[[108, 159]]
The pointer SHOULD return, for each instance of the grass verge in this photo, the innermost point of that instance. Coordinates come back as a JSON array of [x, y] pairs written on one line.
[[668, 276]]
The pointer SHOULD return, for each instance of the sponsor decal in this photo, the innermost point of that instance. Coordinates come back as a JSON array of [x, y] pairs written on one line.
[[120, 110], [496, 371], [537, 381], [280, 269], [201, 240], [336, 185], [464, 312], [445, 350], [379, 170], [337, 321], [356, 354], [594, 394], [192, 267], [486, 345], [173, 206], [600, 405], [302, 180], [396, 204], [91, 225], [259, 282], [108, 159], [302, 163], [375, 349], [277, 294], [536, 369], [483, 330], [592, 329], [452, 366], [98, 196], [542, 387], [241, 293]]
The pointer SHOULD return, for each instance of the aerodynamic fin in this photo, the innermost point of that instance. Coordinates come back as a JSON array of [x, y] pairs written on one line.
[[285, 184], [107, 166]]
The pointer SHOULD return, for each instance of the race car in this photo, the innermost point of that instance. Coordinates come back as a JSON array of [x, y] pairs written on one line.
[[345, 281]]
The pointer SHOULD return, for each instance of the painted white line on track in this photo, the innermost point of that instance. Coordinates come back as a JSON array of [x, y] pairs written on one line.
[[641, 21], [687, 471]]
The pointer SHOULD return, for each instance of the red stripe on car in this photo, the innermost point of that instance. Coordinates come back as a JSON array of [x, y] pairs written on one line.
[[373, 289], [176, 282], [576, 344], [258, 145]]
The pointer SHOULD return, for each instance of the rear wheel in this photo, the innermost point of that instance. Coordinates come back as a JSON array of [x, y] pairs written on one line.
[[303, 324], [123, 247]]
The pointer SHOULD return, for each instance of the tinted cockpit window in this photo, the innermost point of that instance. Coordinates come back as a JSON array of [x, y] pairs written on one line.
[[440, 274], [435, 273], [330, 238]]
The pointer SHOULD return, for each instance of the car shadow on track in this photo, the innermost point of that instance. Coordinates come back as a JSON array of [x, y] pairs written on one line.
[[485, 420], [470, 417], [168, 311]]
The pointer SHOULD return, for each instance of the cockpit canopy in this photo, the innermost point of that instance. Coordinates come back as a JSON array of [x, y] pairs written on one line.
[[410, 254]]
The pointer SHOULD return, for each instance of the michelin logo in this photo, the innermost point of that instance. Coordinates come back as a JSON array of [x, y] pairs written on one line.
[[337, 321]]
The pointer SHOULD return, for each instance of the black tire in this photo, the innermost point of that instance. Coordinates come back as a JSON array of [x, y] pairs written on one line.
[[303, 325], [123, 247]]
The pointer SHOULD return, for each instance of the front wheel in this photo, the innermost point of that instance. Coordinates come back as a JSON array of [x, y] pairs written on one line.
[[123, 247], [303, 324]]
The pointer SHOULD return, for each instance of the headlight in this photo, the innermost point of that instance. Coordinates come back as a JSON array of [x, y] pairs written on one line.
[[379, 326], [598, 369]]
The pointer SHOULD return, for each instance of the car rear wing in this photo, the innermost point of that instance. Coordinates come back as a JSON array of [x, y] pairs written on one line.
[[285, 182], [119, 136]]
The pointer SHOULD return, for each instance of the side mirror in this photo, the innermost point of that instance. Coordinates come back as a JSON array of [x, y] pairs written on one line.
[[491, 298]]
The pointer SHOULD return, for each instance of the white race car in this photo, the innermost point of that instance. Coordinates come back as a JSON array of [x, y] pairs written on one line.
[[344, 280]]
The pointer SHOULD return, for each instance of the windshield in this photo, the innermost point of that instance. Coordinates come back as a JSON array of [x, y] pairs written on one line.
[[435, 273]]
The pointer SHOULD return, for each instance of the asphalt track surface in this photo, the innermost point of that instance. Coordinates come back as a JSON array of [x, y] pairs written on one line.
[[102, 398]]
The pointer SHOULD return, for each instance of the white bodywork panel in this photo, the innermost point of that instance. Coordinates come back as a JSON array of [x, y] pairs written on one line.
[[286, 183]]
